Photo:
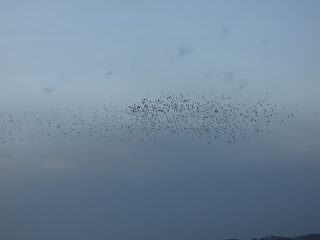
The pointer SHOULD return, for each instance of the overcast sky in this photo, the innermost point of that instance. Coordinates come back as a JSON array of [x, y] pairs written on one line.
[[87, 53]]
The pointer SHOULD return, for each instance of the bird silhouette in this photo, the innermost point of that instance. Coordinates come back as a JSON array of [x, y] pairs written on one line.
[[207, 117]]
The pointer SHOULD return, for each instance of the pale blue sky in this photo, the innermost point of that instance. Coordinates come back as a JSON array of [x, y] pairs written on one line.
[[86, 53], [69, 47]]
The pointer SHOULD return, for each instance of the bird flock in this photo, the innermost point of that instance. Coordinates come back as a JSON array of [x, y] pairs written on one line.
[[207, 117]]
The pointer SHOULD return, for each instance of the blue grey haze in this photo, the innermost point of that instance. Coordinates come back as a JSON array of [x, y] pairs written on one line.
[[86, 53]]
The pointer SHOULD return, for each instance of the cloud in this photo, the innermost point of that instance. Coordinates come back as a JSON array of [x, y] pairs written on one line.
[[62, 77], [8, 165], [227, 76], [208, 75], [54, 164], [224, 32], [132, 65], [184, 50], [108, 74], [242, 85], [266, 41], [48, 90]]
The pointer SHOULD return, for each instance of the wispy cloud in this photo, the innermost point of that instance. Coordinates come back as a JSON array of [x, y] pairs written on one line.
[[48, 90], [132, 65], [58, 165], [227, 76], [184, 50], [266, 41], [7, 165], [224, 32], [208, 75], [242, 85], [109, 74], [62, 77]]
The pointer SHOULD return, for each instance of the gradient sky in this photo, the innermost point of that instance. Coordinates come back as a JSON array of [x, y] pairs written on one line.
[[86, 53]]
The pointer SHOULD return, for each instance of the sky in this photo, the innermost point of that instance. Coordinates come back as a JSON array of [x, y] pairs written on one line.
[[88, 53]]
